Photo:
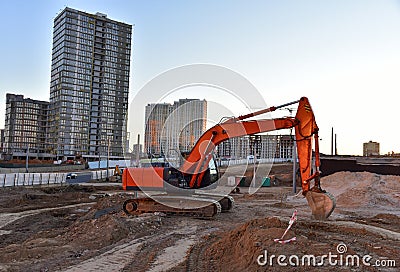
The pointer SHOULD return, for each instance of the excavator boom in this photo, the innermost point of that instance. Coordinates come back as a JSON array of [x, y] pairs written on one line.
[[306, 130]]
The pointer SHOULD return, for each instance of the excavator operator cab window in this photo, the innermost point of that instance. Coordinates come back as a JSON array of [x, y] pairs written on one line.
[[212, 165]]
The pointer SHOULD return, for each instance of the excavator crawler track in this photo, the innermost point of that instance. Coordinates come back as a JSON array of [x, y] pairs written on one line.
[[173, 205], [227, 202]]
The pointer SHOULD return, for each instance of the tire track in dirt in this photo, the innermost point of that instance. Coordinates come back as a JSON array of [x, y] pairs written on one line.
[[173, 255], [113, 260], [193, 261], [124, 255], [7, 218]]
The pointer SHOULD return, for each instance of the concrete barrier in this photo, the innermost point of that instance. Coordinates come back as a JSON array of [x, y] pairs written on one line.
[[31, 179], [102, 174], [48, 178]]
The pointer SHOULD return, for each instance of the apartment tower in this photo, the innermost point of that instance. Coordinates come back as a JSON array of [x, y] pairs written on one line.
[[25, 130], [174, 128], [89, 85], [371, 149]]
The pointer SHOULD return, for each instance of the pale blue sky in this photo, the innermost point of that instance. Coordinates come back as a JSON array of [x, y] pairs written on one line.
[[344, 55]]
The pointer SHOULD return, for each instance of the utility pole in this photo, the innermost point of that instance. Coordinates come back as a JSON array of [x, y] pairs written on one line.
[[335, 146], [138, 150], [332, 142], [294, 165], [98, 151], [254, 163], [27, 158], [108, 157], [99, 146]]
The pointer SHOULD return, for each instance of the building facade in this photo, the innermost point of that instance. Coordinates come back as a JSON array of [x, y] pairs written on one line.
[[184, 126], [25, 128], [259, 146], [171, 129], [371, 149], [155, 117], [2, 140], [89, 85]]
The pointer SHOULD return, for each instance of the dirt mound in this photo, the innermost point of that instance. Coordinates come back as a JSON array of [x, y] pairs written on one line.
[[69, 235], [102, 225], [251, 246], [67, 189], [31, 161], [67, 244], [96, 233], [17, 199], [239, 249], [363, 189]]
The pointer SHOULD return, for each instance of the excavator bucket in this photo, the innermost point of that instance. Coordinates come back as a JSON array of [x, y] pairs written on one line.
[[322, 204]]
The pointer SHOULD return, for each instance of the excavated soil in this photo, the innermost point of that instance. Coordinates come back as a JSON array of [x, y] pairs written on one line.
[[239, 249], [82, 228], [364, 190]]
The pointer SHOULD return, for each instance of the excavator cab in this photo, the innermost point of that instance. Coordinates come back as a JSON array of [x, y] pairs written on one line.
[[214, 173]]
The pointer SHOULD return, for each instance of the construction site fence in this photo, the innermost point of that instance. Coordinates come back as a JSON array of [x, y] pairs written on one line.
[[30, 179], [41, 169], [102, 174], [251, 161], [111, 164]]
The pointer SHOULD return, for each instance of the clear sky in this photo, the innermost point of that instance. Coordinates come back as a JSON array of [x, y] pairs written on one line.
[[343, 55]]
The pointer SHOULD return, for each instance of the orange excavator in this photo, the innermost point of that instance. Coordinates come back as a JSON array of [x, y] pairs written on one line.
[[199, 171]]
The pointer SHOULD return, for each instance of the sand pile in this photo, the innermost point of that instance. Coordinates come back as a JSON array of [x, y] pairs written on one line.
[[363, 189]]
